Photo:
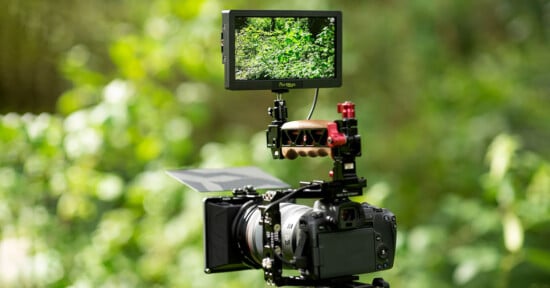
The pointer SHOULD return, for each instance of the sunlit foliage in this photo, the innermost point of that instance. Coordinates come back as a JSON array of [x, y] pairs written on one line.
[[452, 102]]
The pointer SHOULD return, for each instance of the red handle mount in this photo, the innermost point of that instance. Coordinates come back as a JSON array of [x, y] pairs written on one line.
[[335, 138]]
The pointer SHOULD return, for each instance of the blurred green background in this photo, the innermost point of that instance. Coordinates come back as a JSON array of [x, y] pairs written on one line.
[[98, 98]]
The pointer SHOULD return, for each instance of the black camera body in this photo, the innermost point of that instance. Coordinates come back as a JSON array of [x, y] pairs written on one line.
[[336, 238], [347, 239]]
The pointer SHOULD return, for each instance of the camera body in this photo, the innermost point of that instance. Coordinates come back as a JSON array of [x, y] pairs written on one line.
[[348, 238], [316, 241]]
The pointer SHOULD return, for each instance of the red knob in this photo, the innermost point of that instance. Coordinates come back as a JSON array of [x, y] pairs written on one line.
[[347, 109]]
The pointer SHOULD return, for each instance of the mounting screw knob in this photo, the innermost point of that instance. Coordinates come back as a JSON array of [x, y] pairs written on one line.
[[347, 109]]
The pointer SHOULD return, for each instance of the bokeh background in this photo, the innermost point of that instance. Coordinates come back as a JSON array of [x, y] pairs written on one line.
[[98, 98]]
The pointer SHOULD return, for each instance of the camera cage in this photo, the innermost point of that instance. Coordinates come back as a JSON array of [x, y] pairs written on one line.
[[338, 139], [342, 140]]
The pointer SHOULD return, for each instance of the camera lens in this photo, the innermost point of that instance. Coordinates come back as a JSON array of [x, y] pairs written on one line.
[[249, 230]]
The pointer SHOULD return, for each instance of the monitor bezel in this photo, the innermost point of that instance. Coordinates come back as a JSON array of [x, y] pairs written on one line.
[[228, 52]]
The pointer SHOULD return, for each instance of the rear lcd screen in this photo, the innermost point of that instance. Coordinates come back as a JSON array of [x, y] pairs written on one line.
[[282, 49]]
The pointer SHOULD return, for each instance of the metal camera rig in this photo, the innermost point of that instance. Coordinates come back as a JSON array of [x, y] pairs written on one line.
[[329, 244], [290, 141], [337, 239]]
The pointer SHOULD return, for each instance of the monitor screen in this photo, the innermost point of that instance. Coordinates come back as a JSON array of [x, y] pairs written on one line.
[[281, 49]]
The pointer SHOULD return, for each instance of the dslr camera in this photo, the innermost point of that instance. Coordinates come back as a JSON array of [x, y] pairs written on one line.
[[331, 243]]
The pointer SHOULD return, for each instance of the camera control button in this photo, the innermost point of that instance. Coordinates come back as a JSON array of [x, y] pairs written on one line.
[[383, 252], [267, 263]]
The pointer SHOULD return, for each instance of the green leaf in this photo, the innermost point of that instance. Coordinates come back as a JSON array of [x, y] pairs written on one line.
[[539, 257]]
